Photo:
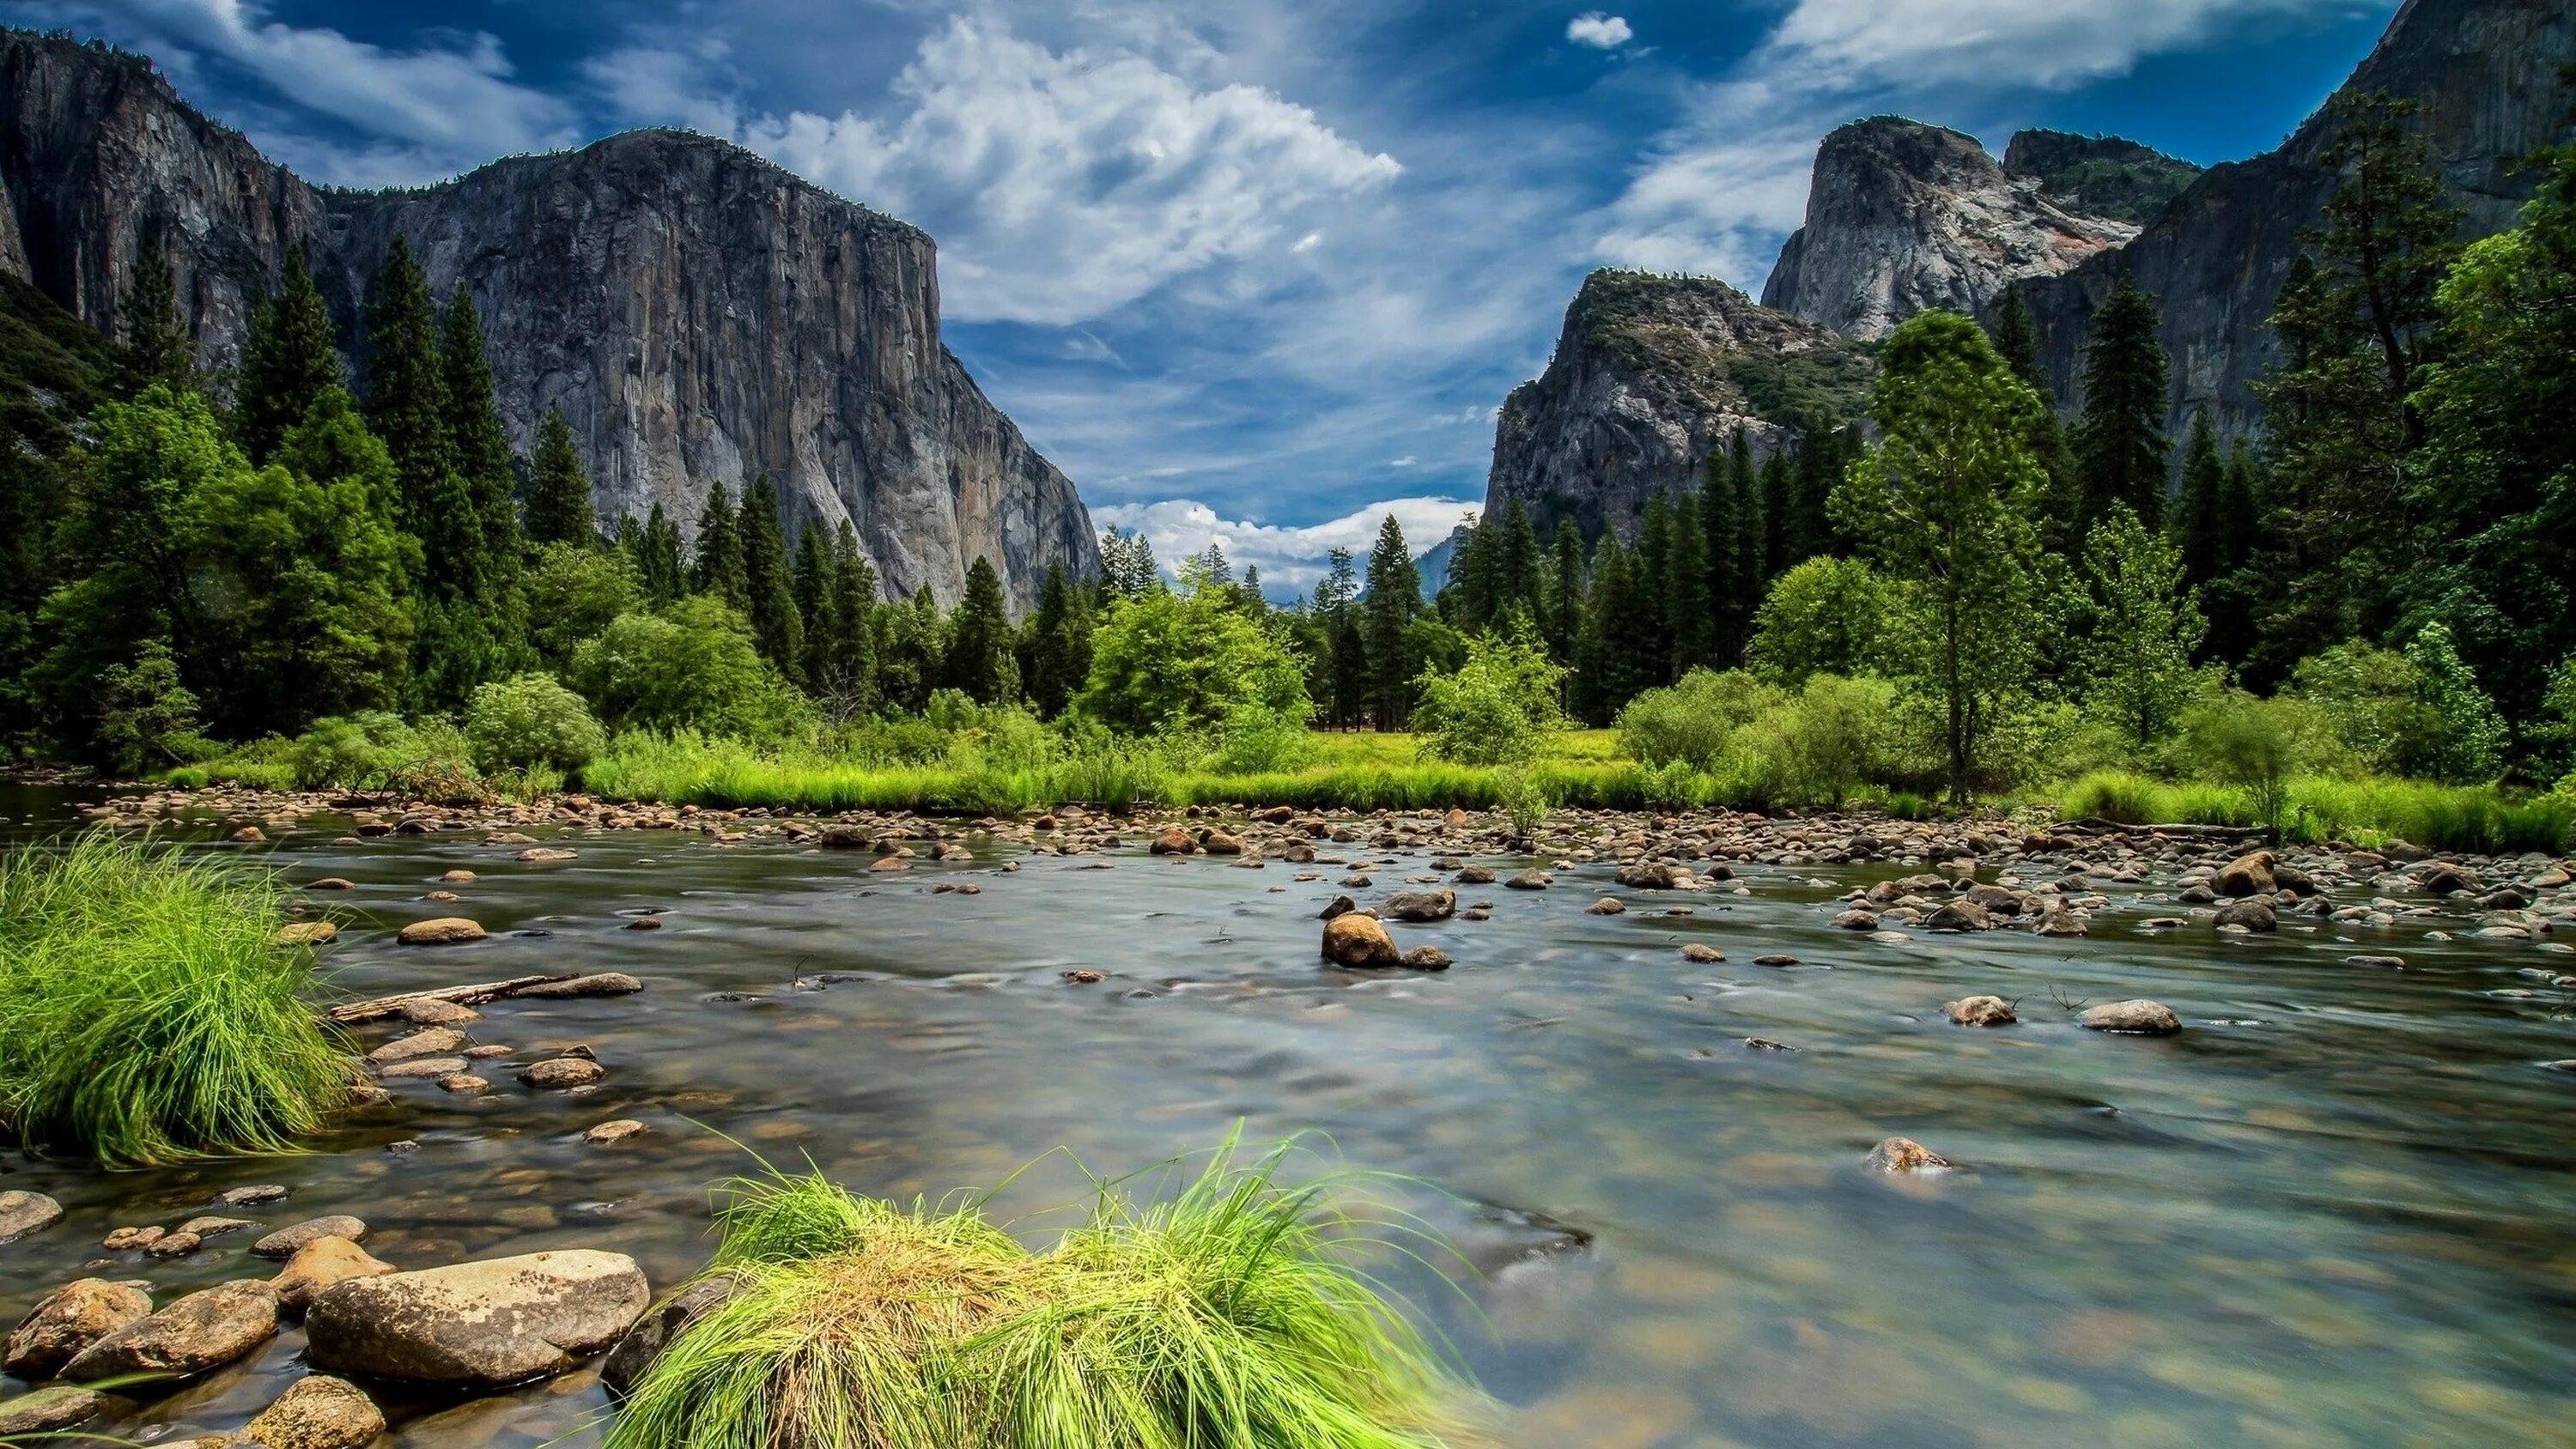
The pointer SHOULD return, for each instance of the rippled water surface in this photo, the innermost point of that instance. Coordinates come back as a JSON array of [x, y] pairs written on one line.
[[2338, 1209]]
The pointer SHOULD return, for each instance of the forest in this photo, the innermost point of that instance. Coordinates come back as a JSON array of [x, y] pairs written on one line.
[[2360, 617]]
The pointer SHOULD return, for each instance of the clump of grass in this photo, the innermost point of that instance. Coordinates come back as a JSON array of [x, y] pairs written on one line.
[[1224, 1318], [147, 1011]]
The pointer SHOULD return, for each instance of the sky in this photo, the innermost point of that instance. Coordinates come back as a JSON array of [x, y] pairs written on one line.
[[1255, 272]]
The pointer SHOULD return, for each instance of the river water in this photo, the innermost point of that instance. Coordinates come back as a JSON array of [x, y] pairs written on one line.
[[2338, 1209]]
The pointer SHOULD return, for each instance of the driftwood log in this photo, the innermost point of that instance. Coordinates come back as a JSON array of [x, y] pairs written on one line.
[[377, 1008], [2188, 832]]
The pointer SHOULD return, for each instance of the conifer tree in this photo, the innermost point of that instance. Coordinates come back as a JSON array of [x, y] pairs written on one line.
[[1776, 520], [407, 409], [2120, 439], [1516, 569], [1564, 625], [658, 559], [291, 358], [559, 507], [1394, 598], [1059, 652], [483, 456], [849, 658], [2017, 339], [155, 345], [1721, 525], [979, 658], [1687, 610], [768, 582], [1819, 465], [2201, 519], [813, 595], [1651, 573], [718, 568]]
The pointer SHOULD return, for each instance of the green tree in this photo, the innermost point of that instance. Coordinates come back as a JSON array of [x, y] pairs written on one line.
[[529, 721], [2470, 746], [657, 556], [1498, 708], [1776, 517], [1687, 607], [1650, 643], [1058, 655], [1394, 597], [2136, 660], [1612, 668], [2120, 439], [1944, 502], [559, 506], [407, 408], [979, 662], [572, 593], [812, 589], [1809, 530], [1187, 661], [1824, 616], [2202, 522], [482, 446], [147, 719], [1723, 548], [291, 358], [848, 683], [691, 666], [768, 580], [154, 344], [719, 567], [1567, 584], [2017, 339]]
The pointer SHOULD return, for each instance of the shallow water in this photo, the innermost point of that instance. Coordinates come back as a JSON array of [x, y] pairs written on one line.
[[2336, 1210]]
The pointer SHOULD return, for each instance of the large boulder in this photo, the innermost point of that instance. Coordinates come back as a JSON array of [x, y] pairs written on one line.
[[70, 1319], [202, 1331], [22, 1213], [1173, 840], [2246, 875], [317, 1412], [287, 1241], [486, 1324], [1359, 942], [1650, 875], [1959, 915], [2253, 915], [1437, 905], [2133, 1018]]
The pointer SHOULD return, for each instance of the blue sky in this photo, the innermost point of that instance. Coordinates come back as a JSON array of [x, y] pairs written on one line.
[[1251, 270]]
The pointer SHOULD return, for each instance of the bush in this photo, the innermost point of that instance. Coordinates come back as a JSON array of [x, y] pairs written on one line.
[[147, 1012], [693, 666], [1817, 746], [1824, 616], [529, 720], [2468, 748], [1693, 722], [1166, 661], [1499, 708], [2253, 744], [147, 719]]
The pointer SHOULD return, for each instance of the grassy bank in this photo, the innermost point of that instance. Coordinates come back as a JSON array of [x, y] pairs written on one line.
[[2478, 819], [1225, 1316], [147, 1012]]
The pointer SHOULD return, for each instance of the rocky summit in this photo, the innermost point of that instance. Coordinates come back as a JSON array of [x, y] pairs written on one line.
[[700, 315]]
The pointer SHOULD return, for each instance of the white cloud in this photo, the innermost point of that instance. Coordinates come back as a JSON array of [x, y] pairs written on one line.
[[1060, 184], [1715, 196], [1605, 32], [433, 110], [1307, 243], [1289, 558], [1407, 461], [1992, 43]]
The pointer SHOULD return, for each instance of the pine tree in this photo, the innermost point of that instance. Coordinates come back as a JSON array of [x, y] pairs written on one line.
[[813, 595], [1686, 604], [407, 408], [849, 679], [2017, 340], [768, 585], [1721, 525], [979, 660], [1818, 468], [1776, 521], [155, 346], [1651, 573], [2120, 439], [1394, 598], [718, 568], [2201, 519], [483, 456], [292, 358], [1517, 561], [559, 506], [1569, 585], [658, 559], [1059, 652]]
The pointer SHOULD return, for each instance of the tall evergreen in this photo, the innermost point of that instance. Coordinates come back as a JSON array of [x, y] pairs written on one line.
[[559, 507], [1517, 563], [2017, 339], [1721, 526], [658, 559], [849, 630], [2201, 520], [718, 566], [1616, 663], [407, 409], [1651, 574], [979, 658], [483, 456], [154, 345], [1059, 648], [291, 358], [1687, 611], [813, 595], [1394, 598], [2120, 439], [1809, 530], [768, 584], [1568, 584], [1776, 518]]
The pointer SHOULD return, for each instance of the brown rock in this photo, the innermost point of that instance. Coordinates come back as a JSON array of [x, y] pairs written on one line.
[[2137, 1017], [488, 1324], [429, 1067], [47, 1410], [604, 983], [1980, 1011], [441, 931], [2253, 915], [1606, 906], [1359, 941], [617, 1130], [436, 1041], [1427, 958], [1901, 1155], [1173, 840], [1697, 951], [1532, 879], [307, 933], [544, 854], [332, 883], [317, 1412], [318, 1265], [1217, 842], [22, 1213], [70, 1319], [288, 1240], [2061, 923], [2246, 875], [1437, 905], [562, 1072], [202, 1331]]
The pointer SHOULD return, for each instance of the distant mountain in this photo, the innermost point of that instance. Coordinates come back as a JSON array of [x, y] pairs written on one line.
[[699, 314]]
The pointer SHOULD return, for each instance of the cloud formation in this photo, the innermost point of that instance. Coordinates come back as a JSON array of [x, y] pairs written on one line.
[[1290, 559], [2045, 43], [1603, 32]]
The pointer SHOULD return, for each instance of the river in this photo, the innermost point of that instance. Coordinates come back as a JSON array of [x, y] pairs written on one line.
[[2337, 1209]]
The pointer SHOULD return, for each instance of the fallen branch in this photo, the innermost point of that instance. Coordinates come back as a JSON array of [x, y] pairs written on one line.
[[475, 995], [2201, 832]]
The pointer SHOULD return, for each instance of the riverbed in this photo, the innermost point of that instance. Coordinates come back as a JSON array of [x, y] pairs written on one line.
[[2335, 1209]]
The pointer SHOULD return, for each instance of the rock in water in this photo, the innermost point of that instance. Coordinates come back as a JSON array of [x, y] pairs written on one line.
[[317, 1412], [320, 1265], [1359, 942], [1900, 1155], [22, 1213], [2246, 875], [47, 1410], [441, 931], [603, 983], [70, 1319], [2251, 914], [1980, 1011], [485, 1325], [202, 1331], [2137, 1018], [1437, 905], [640, 1345], [287, 1241]]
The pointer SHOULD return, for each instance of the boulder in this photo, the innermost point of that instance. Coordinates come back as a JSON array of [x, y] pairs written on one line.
[[1173, 840], [1474, 875], [2445, 878], [2061, 922], [1338, 906], [1898, 1156], [641, 1344], [1437, 905], [307, 933], [2247, 875], [2138, 1017], [562, 1072], [70, 1319], [1359, 941], [318, 1266], [1606, 906], [1856, 919], [434, 1041], [202, 1331], [288, 1240], [1695, 951], [1532, 879], [46, 1411], [441, 931], [487, 1325], [614, 1130], [1427, 958], [1650, 875], [2252, 914], [1217, 842], [1979, 1011], [317, 1412], [22, 1213], [1959, 915]]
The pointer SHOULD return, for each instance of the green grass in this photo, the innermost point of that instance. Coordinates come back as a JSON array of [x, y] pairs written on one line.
[[1228, 1317], [2478, 819], [147, 1013]]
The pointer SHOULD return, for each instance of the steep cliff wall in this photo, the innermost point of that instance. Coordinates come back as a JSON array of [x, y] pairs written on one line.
[[1903, 217], [1649, 374], [2486, 72], [699, 314]]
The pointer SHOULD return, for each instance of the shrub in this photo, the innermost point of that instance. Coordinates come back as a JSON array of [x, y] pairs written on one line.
[[1499, 708], [1227, 1315], [147, 1012], [1824, 616], [1164, 660], [1522, 800], [1817, 746], [147, 719], [691, 666], [529, 720], [2469, 746], [2252, 744], [2130, 799], [1693, 722]]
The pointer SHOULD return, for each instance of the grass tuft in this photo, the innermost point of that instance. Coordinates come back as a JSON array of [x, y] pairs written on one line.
[[1227, 1317], [147, 1013]]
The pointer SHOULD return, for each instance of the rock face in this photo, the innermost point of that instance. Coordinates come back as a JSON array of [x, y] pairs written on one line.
[[1649, 374], [699, 314], [1903, 217], [490, 1324]]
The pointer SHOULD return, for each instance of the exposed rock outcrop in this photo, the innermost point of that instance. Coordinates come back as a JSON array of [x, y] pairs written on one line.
[[700, 314], [1650, 373], [1903, 217]]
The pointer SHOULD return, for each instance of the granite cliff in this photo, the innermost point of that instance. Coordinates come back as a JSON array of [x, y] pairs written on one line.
[[1649, 374], [699, 314]]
